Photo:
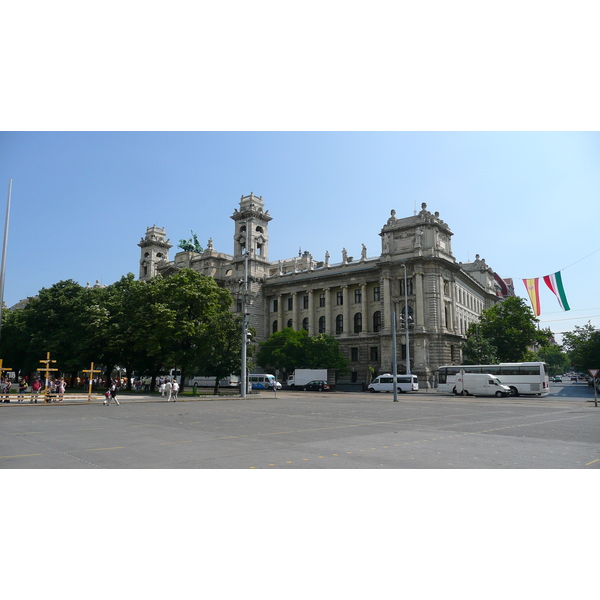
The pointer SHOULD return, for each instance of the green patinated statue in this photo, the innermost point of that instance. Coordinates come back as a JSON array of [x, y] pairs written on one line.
[[191, 245]]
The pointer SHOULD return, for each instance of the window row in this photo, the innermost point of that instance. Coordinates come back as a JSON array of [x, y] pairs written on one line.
[[373, 354], [339, 299], [339, 323]]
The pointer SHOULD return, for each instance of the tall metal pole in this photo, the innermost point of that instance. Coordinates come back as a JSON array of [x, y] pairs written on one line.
[[3, 271], [244, 377], [394, 358]]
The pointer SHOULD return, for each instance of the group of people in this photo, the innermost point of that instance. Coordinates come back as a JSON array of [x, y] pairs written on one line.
[[56, 390], [170, 389]]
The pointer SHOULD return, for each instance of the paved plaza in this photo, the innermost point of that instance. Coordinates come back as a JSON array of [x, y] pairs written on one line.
[[303, 430]]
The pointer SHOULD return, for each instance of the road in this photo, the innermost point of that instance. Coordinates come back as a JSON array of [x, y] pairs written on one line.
[[305, 430]]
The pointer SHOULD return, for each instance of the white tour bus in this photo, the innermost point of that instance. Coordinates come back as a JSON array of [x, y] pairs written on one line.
[[521, 378], [385, 383], [231, 381]]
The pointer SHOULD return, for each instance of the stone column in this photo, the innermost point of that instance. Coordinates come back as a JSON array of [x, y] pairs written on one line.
[[346, 310], [280, 313], [296, 312], [420, 307], [387, 305], [328, 311], [364, 308], [312, 325]]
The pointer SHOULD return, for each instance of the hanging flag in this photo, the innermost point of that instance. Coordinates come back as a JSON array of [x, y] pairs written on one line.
[[533, 290], [554, 282]]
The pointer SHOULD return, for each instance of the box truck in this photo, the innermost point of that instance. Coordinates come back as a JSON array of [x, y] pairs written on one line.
[[480, 384], [300, 377]]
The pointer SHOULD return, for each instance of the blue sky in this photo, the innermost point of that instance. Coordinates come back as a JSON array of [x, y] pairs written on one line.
[[526, 202]]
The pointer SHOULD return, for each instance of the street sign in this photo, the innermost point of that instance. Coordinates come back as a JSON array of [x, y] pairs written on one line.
[[593, 372]]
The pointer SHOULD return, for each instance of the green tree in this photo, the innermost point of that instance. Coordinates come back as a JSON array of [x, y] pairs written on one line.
[[288, 350], [510, 328], [583, 345], [221, 348], [187, 308], [477, 349], [558, 361]]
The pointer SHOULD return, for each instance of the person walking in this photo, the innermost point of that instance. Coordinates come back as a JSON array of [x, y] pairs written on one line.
[[169, 389], [175, 390], [112, 394]]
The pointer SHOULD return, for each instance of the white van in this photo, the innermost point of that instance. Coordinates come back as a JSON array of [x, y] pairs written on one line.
[[385, 383], [480, 384]]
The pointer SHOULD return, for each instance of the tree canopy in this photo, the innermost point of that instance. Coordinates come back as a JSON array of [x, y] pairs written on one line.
[[288, 350], [509, 328], [583, 346], [181, 321]]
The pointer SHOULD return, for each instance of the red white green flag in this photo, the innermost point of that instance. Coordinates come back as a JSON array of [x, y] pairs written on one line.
[[554, 282], [533, 290]]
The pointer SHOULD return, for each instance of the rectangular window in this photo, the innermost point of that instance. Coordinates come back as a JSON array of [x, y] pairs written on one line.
[[354, 354], [304, 301], [374, 353], [376, 294], [290, 303], [321, 300], [239, 306], [357, 296], [409, 286], [340, 298], [275, 304]]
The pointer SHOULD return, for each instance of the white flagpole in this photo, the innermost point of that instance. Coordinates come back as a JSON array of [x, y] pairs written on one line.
[[3, 269]]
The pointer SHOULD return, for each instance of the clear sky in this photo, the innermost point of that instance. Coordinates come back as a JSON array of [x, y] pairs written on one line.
[[526, 202]]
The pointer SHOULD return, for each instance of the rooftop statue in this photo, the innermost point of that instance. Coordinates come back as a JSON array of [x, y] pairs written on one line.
[[191, 245]]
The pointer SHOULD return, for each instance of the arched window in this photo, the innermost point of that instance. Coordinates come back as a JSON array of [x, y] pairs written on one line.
[[290, 323], [305, 323], [357, 322], [339, 324], [274, 326], [377, 321], [321, 324], [403, 312]]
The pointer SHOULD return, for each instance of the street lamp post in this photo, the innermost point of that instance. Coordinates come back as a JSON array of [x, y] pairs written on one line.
[[394, 358], [244, 376]]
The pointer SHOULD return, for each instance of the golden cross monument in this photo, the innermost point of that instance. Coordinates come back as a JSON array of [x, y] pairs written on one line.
[[47, 370], [91, 371], [2, 369]]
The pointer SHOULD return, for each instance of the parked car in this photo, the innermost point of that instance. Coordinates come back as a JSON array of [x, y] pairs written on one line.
[[316, 385], [557, 379]]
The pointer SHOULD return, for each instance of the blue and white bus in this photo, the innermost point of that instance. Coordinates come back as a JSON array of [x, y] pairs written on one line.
[[521, 378], [263, 382]]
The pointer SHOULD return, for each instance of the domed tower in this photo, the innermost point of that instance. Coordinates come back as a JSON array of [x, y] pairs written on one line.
[[154, 249]]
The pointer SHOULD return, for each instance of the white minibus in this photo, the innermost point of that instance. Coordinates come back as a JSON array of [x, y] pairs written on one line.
[[385, 383], [263, 382]]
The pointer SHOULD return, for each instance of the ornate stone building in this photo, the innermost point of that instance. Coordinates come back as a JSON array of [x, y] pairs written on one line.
[[354, 299]]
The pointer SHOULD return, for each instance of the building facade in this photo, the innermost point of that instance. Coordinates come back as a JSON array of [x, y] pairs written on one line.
[[353, 300]]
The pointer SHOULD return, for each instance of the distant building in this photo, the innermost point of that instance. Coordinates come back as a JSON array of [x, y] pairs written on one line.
[[353, 298]]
